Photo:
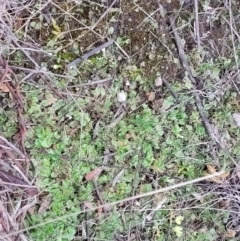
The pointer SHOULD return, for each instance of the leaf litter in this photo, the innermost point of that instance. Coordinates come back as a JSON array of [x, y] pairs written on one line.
[[148, 149]]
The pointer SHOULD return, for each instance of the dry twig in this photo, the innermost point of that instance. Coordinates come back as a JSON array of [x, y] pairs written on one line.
[[166, 83], [89, 54], [107, 205], [198, 100], [197, 24], [14, 89], [14, 148], [10, 179]]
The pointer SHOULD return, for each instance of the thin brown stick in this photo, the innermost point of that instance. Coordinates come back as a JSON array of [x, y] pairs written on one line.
[[198, 100], [197, 24], [3, 63], [166, 83], [103, 15], [98, 194], [162, 190], [14, 148], [91, 83], [89, 54], [232, 24], [15, 40], [37, 66], [14, 90], [10, 179]]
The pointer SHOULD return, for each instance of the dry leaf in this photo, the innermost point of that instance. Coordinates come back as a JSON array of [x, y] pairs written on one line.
[[73, 131], [96, 129], [156, 104], [93, 174], [117, 177], [198, 196], [214, 179], [45, 205], [31, 210], [236, 117], [158, 81], [224, 175], [218, 179], [4, 88], [224, 204], [230, 233], [88, 205], [32, 191], [130, 136], [211, 169], [117, 120], [150, 96]]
